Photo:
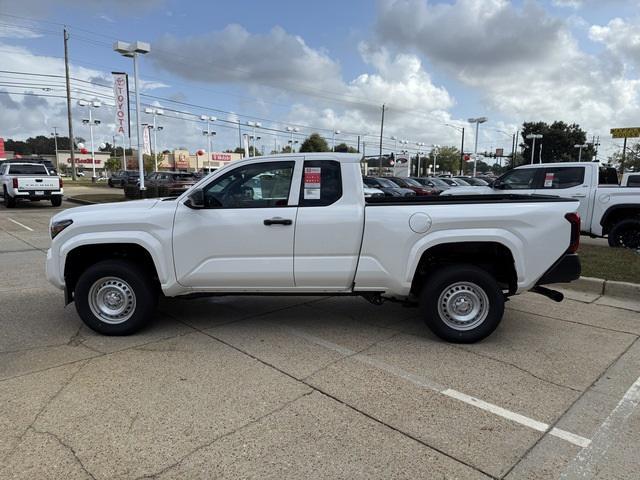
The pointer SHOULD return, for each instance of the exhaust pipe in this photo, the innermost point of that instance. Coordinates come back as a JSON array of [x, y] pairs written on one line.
[[547, 292]]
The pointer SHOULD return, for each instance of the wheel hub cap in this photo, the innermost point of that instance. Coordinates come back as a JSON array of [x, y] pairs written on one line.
[[112, 300], [463, 306]]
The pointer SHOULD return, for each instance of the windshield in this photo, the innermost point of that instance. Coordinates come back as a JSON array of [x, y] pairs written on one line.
[[412, 182], [476, 182], [387, 183], [460, 182], [438, 182]]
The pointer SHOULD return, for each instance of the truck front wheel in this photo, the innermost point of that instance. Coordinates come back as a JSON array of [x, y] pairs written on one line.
[[115, 297], [626, 234], [462, 303]]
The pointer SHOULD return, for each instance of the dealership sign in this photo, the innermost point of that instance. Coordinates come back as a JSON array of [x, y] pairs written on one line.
[[121, 94], [630, 132]]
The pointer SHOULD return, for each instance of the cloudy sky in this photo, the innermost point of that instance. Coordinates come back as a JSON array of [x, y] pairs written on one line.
[[329, 65]]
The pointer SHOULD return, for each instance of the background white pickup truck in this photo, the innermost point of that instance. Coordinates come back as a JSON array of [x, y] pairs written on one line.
[[299, 224], [611, 211], [29, 181]]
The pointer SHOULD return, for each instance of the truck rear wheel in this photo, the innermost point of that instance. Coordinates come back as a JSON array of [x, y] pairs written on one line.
[[625, 234], [9, 201], [56, 201], [115, 297], [462, 303]]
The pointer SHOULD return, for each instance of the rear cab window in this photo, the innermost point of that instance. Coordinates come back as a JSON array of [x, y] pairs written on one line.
[[321, 183], [633, 181], [27, 170]]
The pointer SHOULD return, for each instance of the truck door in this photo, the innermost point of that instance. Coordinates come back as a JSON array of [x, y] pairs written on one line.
[[569, 182], [329, 226], [243, 238]]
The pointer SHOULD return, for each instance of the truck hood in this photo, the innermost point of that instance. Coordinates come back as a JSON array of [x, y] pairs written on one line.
[[109, 209]]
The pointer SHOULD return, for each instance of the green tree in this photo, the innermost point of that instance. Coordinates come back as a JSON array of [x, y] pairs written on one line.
[[113, 164], [558, 142], [314, 143], [448, 159], [632, 158], [344, 148]]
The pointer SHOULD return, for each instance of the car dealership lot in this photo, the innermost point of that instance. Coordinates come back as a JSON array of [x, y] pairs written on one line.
[[306, 387]]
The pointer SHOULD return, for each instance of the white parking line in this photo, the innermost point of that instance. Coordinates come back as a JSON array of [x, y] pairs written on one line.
[[18, 223], [448, 392], [583, 466]]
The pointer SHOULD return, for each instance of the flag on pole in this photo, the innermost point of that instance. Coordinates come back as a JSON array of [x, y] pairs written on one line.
[[121, 95]]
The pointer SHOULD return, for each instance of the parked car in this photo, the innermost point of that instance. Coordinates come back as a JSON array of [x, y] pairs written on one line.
[[172, 184], [29, 181], [473, 181], [389, 188], [372, 192], [434, 182], [316, 236], [455, 182], [411, 184], [606, 210], [124, 177]]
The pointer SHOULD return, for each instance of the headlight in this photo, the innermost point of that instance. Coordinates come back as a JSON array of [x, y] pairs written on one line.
[[57, 227]]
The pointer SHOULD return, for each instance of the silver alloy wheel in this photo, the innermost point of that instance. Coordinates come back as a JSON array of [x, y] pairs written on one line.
[[112, 300], [463, 306]]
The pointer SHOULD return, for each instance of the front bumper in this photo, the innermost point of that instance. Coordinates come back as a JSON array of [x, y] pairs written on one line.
[[52, 271], [565, 270]]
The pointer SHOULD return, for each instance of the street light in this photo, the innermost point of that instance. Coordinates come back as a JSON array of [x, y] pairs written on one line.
[[254, 125], [208, 133], [91, 122], [435, 157], [54, 134], [132, 50], [333, 137], [533, 136], [477, 121], [580, 147], [291, 130], [419, 144], [154, 127]]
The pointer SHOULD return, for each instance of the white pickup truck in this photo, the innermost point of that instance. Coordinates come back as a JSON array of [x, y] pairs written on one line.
[[29, 181], [299, 224], [606, 210]]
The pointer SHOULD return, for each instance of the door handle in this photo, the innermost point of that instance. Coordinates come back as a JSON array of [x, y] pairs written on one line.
[[579, 195], [277, 221]]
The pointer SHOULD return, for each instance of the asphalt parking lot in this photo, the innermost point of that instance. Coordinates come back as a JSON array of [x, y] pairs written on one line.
[[275, 387]]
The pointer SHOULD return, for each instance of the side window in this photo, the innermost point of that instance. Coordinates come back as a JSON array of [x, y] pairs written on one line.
[[562, 177], [259, 185], [634, 181], [321, 183], [519, 179]]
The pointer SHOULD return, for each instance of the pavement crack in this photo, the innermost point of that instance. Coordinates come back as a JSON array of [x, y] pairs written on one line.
[[68, 448], [518, 367], [225, 435]]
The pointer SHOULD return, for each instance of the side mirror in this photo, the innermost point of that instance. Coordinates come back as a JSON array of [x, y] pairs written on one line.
[[195, 199], [497, 184]]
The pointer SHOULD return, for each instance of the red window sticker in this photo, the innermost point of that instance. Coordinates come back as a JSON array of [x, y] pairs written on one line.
[[312, 183], [548, 179]]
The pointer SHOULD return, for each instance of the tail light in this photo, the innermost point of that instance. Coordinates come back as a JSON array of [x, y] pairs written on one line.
[[574, 220], [15, 183], [60, 180]]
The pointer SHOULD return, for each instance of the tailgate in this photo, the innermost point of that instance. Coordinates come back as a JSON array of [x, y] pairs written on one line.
[[38, 183]]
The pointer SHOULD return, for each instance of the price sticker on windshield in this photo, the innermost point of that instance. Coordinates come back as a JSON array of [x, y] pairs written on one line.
[[548, 179], [312, 183]]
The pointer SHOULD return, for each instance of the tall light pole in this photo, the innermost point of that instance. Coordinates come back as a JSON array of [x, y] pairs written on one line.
[[580, 147], [395, 145], [154, 127], [333, 139], [461, 130], [477, 121], [291, 131], [419, 145], [254, 125], [533, 136], [208, 133], [132, 50], [55, 144], [435, 157], [91, 122]]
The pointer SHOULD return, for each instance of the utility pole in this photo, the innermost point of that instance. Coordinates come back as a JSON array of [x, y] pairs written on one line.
[[55, 143], [462, 153], [358, 143], [69, 119], [381, 132], [239, 135]]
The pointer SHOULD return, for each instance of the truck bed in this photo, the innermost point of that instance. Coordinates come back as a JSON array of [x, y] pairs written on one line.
[[464, 199]]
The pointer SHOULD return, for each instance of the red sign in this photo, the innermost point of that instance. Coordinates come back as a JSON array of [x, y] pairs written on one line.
[[2, 147], [467, 158], [84, 161], [222, 157]]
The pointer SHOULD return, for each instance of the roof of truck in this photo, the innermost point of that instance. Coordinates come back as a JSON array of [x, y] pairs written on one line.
[[558, 164], [340, 157]]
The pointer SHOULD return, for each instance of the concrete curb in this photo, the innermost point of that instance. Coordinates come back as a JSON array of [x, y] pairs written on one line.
[[80, 201], [603, 292]]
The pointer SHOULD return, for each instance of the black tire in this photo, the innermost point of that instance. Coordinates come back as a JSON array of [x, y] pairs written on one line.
[[625, 234], [118, 277], [472, 286], [9, 201], [56, 201], [110, 183]]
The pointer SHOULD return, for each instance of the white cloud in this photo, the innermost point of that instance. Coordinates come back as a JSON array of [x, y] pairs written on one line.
[[620, 37], [17, 31]]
